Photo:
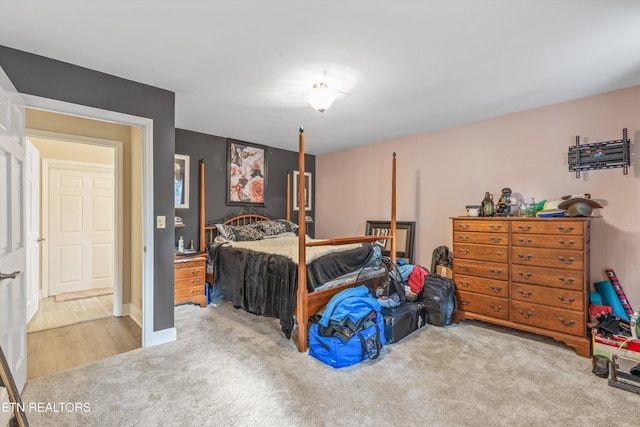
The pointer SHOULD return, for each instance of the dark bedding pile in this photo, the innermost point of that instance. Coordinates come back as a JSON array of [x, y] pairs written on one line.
[[265, 284]]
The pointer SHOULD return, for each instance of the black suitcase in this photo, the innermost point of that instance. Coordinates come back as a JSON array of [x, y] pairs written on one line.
[[402, 320], [438, 294]]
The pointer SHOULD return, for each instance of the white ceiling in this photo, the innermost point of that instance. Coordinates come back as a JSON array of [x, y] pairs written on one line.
[[239, 68]]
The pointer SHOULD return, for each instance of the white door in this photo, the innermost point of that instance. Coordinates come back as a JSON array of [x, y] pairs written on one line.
[[13, 321], [32, 209], [80, 240]]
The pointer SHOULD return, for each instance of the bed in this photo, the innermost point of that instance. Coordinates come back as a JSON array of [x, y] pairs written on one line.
[[295, 285]]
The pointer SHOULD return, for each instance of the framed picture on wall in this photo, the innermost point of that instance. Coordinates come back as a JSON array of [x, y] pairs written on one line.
[[246, 174], [307, 190], [405, 232], [181, 181]]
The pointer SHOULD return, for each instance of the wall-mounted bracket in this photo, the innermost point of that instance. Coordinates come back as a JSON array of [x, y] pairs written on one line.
[[601, 155]]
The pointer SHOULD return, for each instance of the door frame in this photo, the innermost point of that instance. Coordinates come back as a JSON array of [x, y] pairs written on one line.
[[149, 336], [118, 164]]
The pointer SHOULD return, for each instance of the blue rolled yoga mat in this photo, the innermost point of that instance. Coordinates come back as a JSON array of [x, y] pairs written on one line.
[[596, 299], [611, 299]]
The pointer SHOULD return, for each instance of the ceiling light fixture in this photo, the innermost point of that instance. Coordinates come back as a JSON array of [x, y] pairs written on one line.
[[320, 97]]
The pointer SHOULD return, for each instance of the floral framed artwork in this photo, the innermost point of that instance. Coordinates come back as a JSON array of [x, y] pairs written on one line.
[[246, 174], [181, 181], [307, 190]]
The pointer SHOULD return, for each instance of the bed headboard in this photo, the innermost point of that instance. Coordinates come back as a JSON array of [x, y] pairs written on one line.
[[242, 218]]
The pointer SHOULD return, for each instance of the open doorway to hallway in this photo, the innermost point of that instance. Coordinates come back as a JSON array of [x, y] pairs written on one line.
[[79, 275]]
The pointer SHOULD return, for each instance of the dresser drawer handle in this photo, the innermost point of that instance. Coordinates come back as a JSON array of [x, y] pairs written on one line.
[[497, 272], [567, 324], [525, 242], [494, 308], [495, 227], [464, 251], [525, 294], [465, 302], [526, 316], [195, 291], [464, 284], [195, 272], [195, 281], [496, 289], [525, 257], [525, 228], [499, 253], [464, 267], [523, 275], [495, 239], [562, 259], [464, 226], [465, 238], [565, 281], [563, 243], [561, 298], [566, 230]]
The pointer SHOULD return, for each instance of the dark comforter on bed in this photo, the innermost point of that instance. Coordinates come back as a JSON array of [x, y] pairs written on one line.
[[265, 284]]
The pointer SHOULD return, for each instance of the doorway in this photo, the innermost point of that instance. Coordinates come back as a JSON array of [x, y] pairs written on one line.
[[94, 222]]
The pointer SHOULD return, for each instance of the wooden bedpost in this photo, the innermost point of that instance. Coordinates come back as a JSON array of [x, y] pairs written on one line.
[[288, 215], [203, 221], [393, 209], [301, 296]]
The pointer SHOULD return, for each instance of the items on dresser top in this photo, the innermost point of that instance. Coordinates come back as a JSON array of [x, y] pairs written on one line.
[[526, 273]]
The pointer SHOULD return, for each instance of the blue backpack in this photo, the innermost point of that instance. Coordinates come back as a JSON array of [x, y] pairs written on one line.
[[351, 329]]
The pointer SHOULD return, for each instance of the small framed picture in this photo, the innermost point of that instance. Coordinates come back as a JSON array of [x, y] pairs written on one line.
[[307, 190], [181, 181]]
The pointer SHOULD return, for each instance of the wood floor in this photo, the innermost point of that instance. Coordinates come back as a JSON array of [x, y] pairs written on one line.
[[66, 334], [63, 348], [53, 314]]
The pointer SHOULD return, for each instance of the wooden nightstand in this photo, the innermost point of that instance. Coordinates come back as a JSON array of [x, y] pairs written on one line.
[[189, 279]]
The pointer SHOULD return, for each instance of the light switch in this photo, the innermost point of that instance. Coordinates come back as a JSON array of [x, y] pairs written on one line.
[[160, 222]]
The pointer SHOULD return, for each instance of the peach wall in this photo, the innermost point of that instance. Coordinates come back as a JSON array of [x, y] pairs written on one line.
[[441, 172]]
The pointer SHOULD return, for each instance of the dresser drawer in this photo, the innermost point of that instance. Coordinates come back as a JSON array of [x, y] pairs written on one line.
[[558, 278], [481, 285], [188, 292], [558, 258], [480, 252], [554, 297], [490, 270], [548, 241], [483, 304], [481, 238], [546, 226], [551, 318], [481, 225], [189, 270], [188, 282]]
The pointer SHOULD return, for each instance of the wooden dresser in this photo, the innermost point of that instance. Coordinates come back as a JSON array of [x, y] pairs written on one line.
[[189, 280], [530, 274]]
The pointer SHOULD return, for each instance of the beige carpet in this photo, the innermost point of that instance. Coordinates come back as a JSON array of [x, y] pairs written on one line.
[[230, 368], [68, 296]]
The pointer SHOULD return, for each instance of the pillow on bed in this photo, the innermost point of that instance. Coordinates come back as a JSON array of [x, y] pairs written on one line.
[[240, 233], [276, 227]]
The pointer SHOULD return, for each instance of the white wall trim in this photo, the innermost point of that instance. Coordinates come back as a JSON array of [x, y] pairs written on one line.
[[149, 336], [132, 311]]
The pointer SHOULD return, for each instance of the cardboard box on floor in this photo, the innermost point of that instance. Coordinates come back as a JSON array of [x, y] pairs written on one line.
[[444, 271]]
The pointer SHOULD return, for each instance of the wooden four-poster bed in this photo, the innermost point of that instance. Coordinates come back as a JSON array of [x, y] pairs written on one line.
[[306, 299]]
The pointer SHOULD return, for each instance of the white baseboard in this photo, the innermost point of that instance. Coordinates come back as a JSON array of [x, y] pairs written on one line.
[[160, 337], [132, 311]]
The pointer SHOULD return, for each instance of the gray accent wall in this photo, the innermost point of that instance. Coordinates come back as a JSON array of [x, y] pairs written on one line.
[[48, 78], [213, 150]]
